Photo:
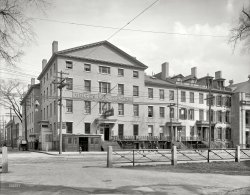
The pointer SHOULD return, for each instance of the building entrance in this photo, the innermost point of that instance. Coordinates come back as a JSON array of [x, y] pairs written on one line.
[[106, 133], [83, 143]]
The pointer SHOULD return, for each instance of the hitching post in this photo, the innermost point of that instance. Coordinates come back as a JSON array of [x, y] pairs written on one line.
[[4, 160], [109, 157], [237, 154], [174, 156]]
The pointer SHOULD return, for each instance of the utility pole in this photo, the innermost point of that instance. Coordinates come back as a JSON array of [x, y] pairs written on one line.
[[11, 129], [171, 120], [25, 125], [60, 86]]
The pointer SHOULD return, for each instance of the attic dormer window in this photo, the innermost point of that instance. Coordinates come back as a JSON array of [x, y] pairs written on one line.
[[104, 70], [69, 64]]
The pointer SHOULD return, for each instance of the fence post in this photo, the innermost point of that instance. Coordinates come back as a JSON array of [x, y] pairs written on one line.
[[109, 156], [174, 155], [4, 159], [133, 158], [208, 157], [237, 154]]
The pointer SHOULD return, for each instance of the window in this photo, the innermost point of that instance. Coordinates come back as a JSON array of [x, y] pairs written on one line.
[[87, 106], [120, 109], [87, 67], [54, 67], [87, 128], [120, 89], [227, 119], [47, 76], [50, 72], [171, 95], [191, 114], [183, 113], [150, 130], [69, 82], [161, 128], [191, 97], [135, 74], [44, 80], [219, 116], [201, 98], [228, 101], [136, 109], [120, 72], [47, 113], [161, 94], [162, 112], [219, 100], [55, 87], [69, 64], [135, 130], [135, 91], [183, 96], [228, 133], [104, 70], [247, 117], [55, 106], [69, 127], [211, 99], [171, 112], [104, 106], [47, 94], [87, 85], [104, 87], [201, 115], [219, 133], [50, 90], [150, 111], [50, 109], [69, 106], [191, 131], [120, 130], [150, 92]]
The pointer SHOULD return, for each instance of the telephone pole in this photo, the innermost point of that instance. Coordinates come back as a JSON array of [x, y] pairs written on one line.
[[60, 86]]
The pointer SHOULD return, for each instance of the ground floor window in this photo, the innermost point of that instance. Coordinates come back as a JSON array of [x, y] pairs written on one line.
[[120, 130], [228, 133], [219, 133], [150, 130]]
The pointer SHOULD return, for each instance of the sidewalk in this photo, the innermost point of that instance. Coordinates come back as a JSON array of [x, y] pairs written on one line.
[[56, 153]]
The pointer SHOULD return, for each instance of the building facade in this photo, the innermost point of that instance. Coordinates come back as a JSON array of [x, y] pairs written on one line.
[[31, 115], [13, 132], [241, 113]]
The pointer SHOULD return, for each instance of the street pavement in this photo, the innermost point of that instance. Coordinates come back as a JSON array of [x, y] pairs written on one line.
[[39, 173]]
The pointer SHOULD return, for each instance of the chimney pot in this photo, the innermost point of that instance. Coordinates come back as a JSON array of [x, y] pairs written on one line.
[[44, 62], [194, 71], [164, 70], [218, 75], [54, 47]]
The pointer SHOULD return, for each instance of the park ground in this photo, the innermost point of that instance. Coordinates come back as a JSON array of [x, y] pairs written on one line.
[[86, 173]]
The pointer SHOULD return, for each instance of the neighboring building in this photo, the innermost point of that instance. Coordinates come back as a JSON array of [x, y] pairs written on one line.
[[108, 98], [33, 115], [14, 132], [241, 113]]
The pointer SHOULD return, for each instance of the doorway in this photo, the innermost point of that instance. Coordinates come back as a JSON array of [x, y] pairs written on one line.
[[83, 143], [106, 133]]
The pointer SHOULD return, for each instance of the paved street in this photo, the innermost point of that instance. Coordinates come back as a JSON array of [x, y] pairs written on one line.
[[38, 173]]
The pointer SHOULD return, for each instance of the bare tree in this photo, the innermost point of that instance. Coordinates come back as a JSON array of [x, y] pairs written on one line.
[[11, 93], [15, 27], [242, 31]]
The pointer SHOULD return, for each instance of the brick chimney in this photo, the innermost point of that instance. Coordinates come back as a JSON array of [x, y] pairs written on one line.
[[33, 81], [194, 71], [164, 70], [218, 75], [44, 62], [54, 47]]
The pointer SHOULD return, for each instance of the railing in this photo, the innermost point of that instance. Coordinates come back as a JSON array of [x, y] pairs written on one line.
[[141, 138], [140, 156]]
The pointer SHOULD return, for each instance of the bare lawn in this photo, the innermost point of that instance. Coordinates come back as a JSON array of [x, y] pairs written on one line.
[[228, 168]]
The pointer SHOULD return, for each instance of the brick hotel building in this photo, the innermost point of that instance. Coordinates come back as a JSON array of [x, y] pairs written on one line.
[[109, 100]]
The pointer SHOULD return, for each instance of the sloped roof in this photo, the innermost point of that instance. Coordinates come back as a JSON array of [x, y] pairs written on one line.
[[189, 77], [241, 87], [155, 81], [106, 52]]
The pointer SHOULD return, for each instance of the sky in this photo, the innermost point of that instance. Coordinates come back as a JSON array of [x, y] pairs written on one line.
[[201, 17]]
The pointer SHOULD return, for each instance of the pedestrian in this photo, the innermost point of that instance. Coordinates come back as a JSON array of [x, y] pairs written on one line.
[[80, 150]]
